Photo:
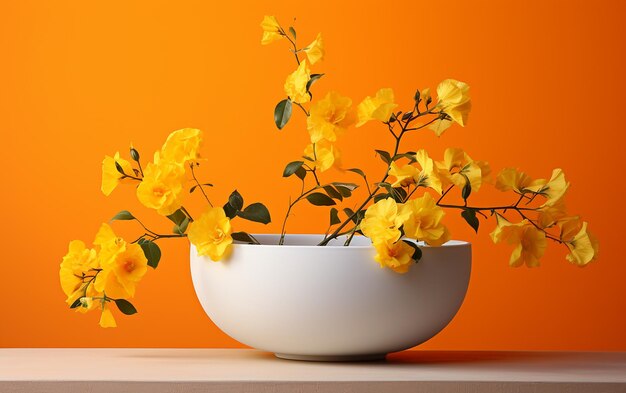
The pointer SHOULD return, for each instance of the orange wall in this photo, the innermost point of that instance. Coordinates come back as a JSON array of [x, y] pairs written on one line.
[[79, 80]]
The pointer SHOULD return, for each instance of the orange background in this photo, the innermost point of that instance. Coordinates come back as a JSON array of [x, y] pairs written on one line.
[[83, 79]]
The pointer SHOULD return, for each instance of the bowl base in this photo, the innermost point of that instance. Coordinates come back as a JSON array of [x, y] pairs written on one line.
[[332, 358]]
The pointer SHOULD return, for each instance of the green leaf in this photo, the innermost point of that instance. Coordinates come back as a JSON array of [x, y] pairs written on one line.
[[301, 173], [177, 217], [230, 211], [242, 237], [407, 116], [192, 189], [399, 194], [76, 303], [349, 186], [125, 306], [380, 197], [236, 200], [417, 251], [119, 168], [151, 251], [182, 227], [123, 215], [350, 214], [357, 171], [344, 191], [333, 193], [134, 154], [282, 113], [256, 212], [314, 78], [334, 217], [385, 156], [470, 217], [319, 199], [292, 168], [409, 156], [467, 188], [293, 32]]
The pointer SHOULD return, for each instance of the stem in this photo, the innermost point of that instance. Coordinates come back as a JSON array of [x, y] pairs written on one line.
[[405, 128], [291, 205], [293, 43], [303, 108], [193, 174]]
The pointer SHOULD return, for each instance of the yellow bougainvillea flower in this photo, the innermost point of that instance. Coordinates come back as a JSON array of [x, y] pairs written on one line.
[[554, 190], [271, 30], [295, 85], [111, 177], [211, 233], [458, 167], [182, 146], [106, 318], [405, 175], [379, 107], [78, 261], [424, 221], [520, 182], [530, 243], [439, 126], [162, 187], [315, 51], [551, 215], [329, 117], [324, 154], [382, 221], [123, 264], [583, 245], [429, 175], [395, 255], [454, 100]]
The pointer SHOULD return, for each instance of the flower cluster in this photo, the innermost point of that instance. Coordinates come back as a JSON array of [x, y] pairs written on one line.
[[93, 278], [109, 272], [399, 217]]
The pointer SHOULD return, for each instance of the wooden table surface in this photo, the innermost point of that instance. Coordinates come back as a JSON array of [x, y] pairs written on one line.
[[242, 370]]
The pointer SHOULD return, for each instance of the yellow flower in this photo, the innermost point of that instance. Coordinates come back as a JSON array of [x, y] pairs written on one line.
[[379, 107], [329, 117], [295, 85], [111, 177], [162, 187], [395, 255], [383, 220], [424, 221], [271, 30], [439, 126], [315, 51], [324, 154], [454, 100], [182, 146], [79, 260], [458, 167], [211, 233], [405, 175], [530, 243], [551, 215], [123, 264], [583, 245], [106, 318], [512, 179], [429, 175], [554, 189]]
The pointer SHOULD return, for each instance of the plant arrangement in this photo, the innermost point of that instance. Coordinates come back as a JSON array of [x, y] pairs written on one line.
[[402, 210]]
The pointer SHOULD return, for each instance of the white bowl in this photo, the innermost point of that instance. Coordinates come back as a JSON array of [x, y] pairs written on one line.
[[331, 303]]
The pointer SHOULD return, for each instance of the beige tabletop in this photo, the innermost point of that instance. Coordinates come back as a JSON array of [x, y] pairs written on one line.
[[241, 370]]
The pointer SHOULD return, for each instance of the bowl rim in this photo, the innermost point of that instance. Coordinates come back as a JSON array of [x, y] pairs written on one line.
[[448, 244]]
